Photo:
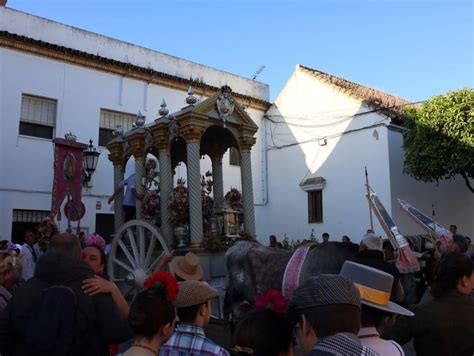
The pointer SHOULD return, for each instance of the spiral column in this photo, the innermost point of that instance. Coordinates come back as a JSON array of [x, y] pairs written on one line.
[[119, 216], [192, 134], [218, 181], [166, 187], [247, 193], [139, 174], [115, 148], [246, 144], [194, 189], [136, 143]]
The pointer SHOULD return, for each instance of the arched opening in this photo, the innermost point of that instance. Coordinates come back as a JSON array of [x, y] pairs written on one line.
[[217, 139]]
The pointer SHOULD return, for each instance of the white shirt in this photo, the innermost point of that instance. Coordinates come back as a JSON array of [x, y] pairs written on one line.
[[5, 297], [370, 337], [128, 198], [28, 264], [107, 249]]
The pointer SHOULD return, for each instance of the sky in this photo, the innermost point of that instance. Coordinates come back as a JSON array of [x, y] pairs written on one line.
[[411, 48]]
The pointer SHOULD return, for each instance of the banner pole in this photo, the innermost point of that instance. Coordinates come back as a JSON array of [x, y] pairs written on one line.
[[69, 212], [368, 199]]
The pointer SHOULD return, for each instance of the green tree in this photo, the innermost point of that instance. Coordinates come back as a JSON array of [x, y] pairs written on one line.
[[439, 142]]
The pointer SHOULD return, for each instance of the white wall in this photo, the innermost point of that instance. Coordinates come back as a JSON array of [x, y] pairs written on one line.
[[310, 109], [49, 31], [453, 202], [81, 94]]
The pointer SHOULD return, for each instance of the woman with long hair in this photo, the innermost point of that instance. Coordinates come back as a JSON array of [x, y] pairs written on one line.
[[152, 314], [445, 324]]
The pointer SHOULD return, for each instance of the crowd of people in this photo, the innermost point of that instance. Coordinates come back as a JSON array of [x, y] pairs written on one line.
[[61, 302]]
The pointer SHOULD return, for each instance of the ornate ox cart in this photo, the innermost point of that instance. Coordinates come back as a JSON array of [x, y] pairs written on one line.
[[210, 127]]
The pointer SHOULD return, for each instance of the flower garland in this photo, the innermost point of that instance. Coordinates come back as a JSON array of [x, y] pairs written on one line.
[[272, 299], [48, 227], [178, 204], [234, 198], [151, 205], [95, 240], [207, 205], [163, 282]]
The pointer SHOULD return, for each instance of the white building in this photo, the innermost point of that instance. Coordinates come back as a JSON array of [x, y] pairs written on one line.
[[321, 132], [56, 79], [311, 149]]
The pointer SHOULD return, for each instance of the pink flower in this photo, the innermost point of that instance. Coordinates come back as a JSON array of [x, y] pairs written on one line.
[[95, 240]]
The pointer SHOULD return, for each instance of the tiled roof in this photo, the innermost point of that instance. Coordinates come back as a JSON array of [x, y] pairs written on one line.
[[87, 59], [387, 104]]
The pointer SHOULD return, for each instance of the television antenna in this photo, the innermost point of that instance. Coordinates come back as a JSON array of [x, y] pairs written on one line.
[[260, 70]]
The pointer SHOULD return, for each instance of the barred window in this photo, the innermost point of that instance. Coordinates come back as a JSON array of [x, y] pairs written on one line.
[[29, 216], [26, 220], [109, 120], [315, 206], [234, 157], [38, 116]]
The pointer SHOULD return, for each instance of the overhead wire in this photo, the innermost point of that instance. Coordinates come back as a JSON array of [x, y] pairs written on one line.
[[340, 119], [314, 139]]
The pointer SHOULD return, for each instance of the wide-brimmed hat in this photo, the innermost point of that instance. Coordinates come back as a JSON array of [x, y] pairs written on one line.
[[372, 242], [187, 267], [374, 286], [193, 293], [326, 289]]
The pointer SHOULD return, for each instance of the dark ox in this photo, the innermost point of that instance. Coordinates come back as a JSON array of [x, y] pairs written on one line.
[[253, 268]]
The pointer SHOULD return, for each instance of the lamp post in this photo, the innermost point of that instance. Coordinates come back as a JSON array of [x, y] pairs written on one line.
[[89, 161]]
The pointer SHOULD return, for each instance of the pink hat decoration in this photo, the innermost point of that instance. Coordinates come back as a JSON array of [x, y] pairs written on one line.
[[95, 240]]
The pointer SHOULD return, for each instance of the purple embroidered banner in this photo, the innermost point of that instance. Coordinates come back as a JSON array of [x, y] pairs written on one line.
[[68, 173], [291, 277]]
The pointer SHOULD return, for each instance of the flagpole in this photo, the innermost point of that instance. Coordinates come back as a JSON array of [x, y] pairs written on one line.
[[368, 199], [69, 211]]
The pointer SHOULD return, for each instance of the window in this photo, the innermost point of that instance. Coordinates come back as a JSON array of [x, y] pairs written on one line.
[[26, 220], [38, 116], [234, 157], [315, 206], [104, 224], [109, 120]]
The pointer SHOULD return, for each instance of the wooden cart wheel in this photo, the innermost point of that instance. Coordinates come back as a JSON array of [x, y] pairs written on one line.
[[136, 251]]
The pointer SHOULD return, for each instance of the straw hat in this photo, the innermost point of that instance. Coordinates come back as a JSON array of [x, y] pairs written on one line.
[[193, 293], [374, 286], [187, 267]]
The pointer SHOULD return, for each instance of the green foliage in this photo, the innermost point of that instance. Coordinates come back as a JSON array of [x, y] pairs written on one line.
[[247, 237], [290, 245], [439, 143], [286, 243], [313, 238]]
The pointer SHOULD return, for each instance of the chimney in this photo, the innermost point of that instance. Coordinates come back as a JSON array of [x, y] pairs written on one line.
[[3, 2]]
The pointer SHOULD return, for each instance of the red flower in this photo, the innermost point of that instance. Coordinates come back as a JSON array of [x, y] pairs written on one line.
[[274, 300], [163, 281]]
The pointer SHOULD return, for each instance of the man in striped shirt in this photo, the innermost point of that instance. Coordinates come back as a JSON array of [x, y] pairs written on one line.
[[326, 309], [194, 311]]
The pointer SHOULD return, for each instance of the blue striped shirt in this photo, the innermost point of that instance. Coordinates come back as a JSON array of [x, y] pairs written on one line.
[[190, 340], [342, 344]]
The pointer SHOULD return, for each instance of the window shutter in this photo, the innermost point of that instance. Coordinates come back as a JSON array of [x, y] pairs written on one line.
[[111, 119], [37, 110]]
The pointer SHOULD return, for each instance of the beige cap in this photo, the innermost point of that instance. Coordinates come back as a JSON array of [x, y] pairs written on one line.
[[193, 293]]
